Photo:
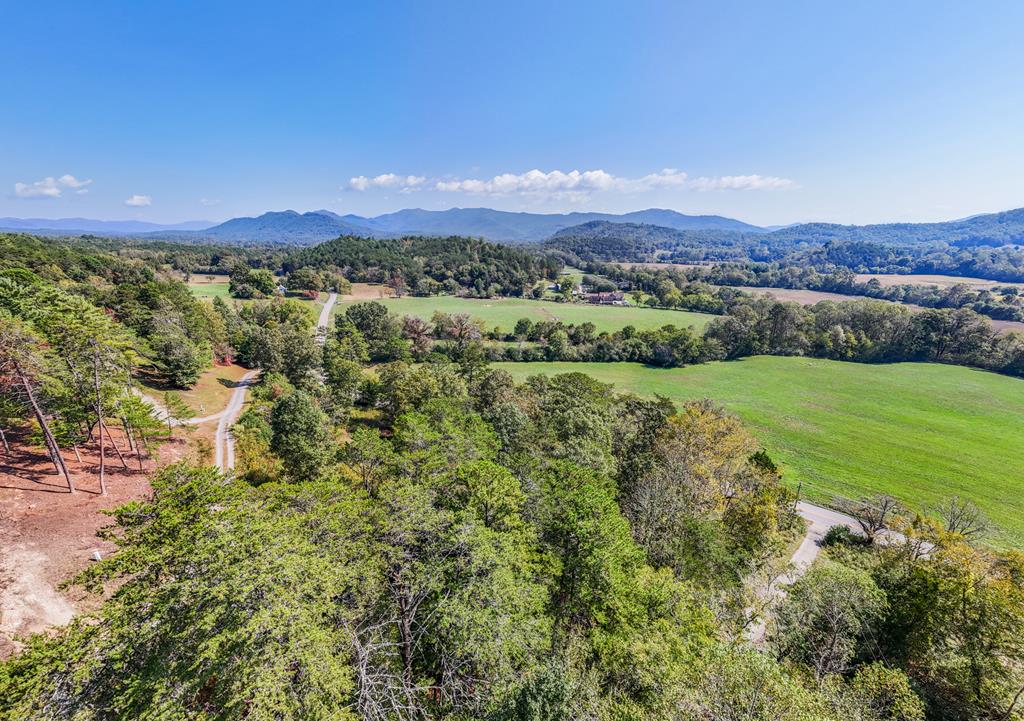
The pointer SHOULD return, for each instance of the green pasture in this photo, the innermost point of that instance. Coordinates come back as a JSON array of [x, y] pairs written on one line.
[[504, 312], [920, 432]]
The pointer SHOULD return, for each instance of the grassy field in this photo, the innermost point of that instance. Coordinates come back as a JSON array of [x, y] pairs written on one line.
[[210, 394], [504, 312], [921, 432], [202, 287]]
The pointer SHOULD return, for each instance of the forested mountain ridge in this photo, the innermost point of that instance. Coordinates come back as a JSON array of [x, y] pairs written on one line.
[[291, 227], [286, 226], [528, 227], [994, 230], [988, 246]]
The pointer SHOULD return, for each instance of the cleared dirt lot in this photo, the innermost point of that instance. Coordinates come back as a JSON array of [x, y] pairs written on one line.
[[47, 534]]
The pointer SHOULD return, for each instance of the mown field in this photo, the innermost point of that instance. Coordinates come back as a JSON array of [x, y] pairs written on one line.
[[921, 432], [504, 312], [209, 286]]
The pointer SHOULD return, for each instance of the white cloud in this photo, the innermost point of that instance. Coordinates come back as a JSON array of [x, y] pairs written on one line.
[[404, 183], [534, 182], [572, 185], [209, 202], [70, 181], [742, 182], [50, 187], [139, 201]]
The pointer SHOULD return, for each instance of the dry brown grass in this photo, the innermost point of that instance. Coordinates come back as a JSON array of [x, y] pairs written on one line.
[[943, 281], [367, 291]]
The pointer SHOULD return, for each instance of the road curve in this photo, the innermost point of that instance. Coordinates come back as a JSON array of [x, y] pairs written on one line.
[[223, 441], [160, 412], [325, 317], [819, 520]]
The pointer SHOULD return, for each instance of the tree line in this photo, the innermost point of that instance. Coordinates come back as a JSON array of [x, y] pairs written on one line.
[[864, 331], [700, 288]]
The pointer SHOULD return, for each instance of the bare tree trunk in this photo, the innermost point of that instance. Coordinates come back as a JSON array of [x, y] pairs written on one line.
[[99, 417], [3, 437], [405, 637], [128, 434], [140, 446], [78, 455], [51, 442], [112, 443]]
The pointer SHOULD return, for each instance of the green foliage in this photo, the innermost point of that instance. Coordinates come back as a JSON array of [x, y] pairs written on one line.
[[747, 685], [381, 332], [954, 620], [228, 608], [430, 265], [825, 617], [885, 693], [249, 282], [301, 437]]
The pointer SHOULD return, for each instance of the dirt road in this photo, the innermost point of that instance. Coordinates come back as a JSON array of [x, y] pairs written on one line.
[[325, 317], [224, 443]]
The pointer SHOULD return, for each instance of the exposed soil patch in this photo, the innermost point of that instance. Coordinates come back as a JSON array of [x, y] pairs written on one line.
[[48, 534]]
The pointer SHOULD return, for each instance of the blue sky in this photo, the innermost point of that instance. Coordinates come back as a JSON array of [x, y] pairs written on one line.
[[768, 112]]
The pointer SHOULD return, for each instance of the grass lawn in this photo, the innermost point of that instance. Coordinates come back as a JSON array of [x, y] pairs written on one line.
[[204, 288], [504, 312], [210, 394], [921, 432]]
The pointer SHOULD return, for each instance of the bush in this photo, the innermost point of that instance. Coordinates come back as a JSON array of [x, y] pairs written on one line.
[[843, 536]]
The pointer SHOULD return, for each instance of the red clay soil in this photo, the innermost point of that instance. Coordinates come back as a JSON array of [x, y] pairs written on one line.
[[48, 534]]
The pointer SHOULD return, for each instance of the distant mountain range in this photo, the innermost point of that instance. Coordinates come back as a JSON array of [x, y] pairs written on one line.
[[86, 225], [316, 226], [293, 228]]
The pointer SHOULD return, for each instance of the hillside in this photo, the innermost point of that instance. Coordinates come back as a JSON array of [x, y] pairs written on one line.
[[294, 228], [286, 226], [497, 225], [528, 227], [599, 240], [1005, 228]]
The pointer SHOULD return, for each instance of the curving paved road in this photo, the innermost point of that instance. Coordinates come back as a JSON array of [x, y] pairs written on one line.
[[819, 520]]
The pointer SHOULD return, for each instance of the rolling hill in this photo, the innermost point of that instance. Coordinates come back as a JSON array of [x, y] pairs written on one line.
[[498, 225], [601, 240]]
